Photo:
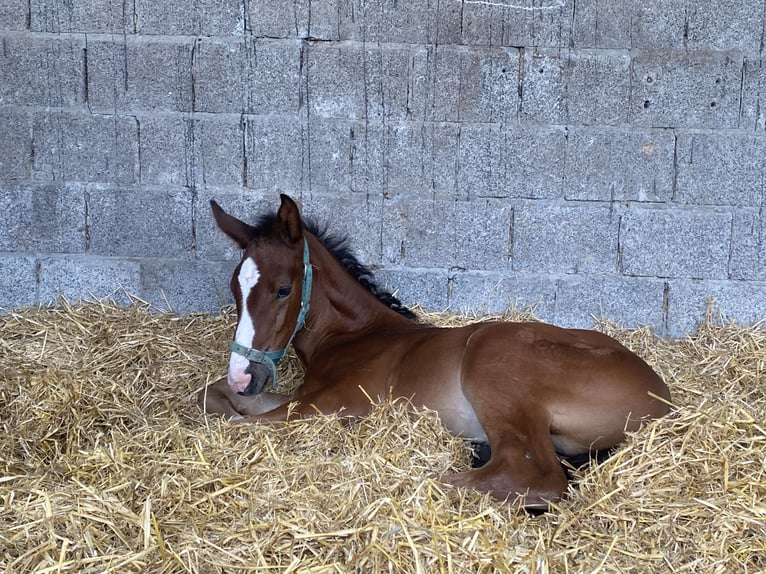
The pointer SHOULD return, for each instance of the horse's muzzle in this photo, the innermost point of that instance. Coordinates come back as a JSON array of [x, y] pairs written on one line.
[[260, 376]]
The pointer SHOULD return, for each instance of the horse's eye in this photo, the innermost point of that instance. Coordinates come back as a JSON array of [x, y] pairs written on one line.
[[283, 292]]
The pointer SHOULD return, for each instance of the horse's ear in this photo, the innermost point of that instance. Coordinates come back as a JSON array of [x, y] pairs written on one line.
[[238, 230], [288, 222]]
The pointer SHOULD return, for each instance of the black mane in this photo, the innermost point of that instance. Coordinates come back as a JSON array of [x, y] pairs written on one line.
[[338, 246]]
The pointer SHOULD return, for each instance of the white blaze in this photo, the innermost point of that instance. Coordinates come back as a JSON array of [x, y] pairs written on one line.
[[248, 278]]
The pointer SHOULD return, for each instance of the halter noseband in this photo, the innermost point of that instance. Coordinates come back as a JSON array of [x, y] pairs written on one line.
[[271, 358]]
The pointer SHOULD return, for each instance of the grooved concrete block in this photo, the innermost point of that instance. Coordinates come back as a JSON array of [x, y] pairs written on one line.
[[275, 152], [686, 89], [493, 293], [565, 238], [545, 23], [513, 160], [18, 281], [413, 22], [167, 149], [140, 74], [434, 86], [676, 243], [93, 16], [720, 168], [141, 223], [88, 278], [725, 25], [658, 25], [179, 17], [489, 85], [355, 217], [605, 164], [581, 301], [45, 71], [42, 218], [86, 147], [186, 286], [754, 95], [212, 244], [15, 15], [465, 234], [16, 153], [602, 24], [266, 18], [748, 250], [249, 75], [598, 87], [350, 80], [543, 97], [425, 287], [421, 160], [744, 303]]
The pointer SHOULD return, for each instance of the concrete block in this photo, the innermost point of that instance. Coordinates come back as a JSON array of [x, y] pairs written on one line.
[[543, 96], [658, 25], [676, 243], [735, 176], [15, 15], [353, 216], [543, 23], [604, 164], [602, 24], [743, 303], [352, 81], [253, 75], [220, 146], [466, 234], [414, 22], [424, 287], [18, 281], [88, 278], [686, 89], [489, 85], [276, 153], [598, 87], [140, 74], [186, 286], [565, 238], [725, 25], [177, 17], [167, 149], [434, 90], [582, 301], [754, 95], [487, 293], [16, 153], [140, 223], [267, 19], [748, 246], [421, 160], [42, 71], [513, 160], [248, 205], [42, 218], [94, 16], [86, 147]]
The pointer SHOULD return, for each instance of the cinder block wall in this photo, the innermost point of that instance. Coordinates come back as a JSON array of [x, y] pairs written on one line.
[[591, 158]]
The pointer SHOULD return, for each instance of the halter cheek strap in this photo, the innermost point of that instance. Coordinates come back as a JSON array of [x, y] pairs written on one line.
[[271, 358]]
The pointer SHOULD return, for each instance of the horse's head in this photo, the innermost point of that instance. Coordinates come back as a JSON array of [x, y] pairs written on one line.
[[271, 287]]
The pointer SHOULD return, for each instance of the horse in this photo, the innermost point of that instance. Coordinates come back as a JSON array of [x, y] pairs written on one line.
[[532, 391]]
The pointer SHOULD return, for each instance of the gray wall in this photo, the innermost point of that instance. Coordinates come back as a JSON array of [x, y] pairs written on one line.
[[594, 158]]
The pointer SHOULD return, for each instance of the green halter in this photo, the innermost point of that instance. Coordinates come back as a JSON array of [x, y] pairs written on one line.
[[271, 358]]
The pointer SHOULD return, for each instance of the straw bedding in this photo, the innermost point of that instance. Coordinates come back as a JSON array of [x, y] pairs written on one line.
[[108, 465]]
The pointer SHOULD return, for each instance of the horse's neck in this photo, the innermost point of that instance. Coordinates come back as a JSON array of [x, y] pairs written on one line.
[[340, 305]]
